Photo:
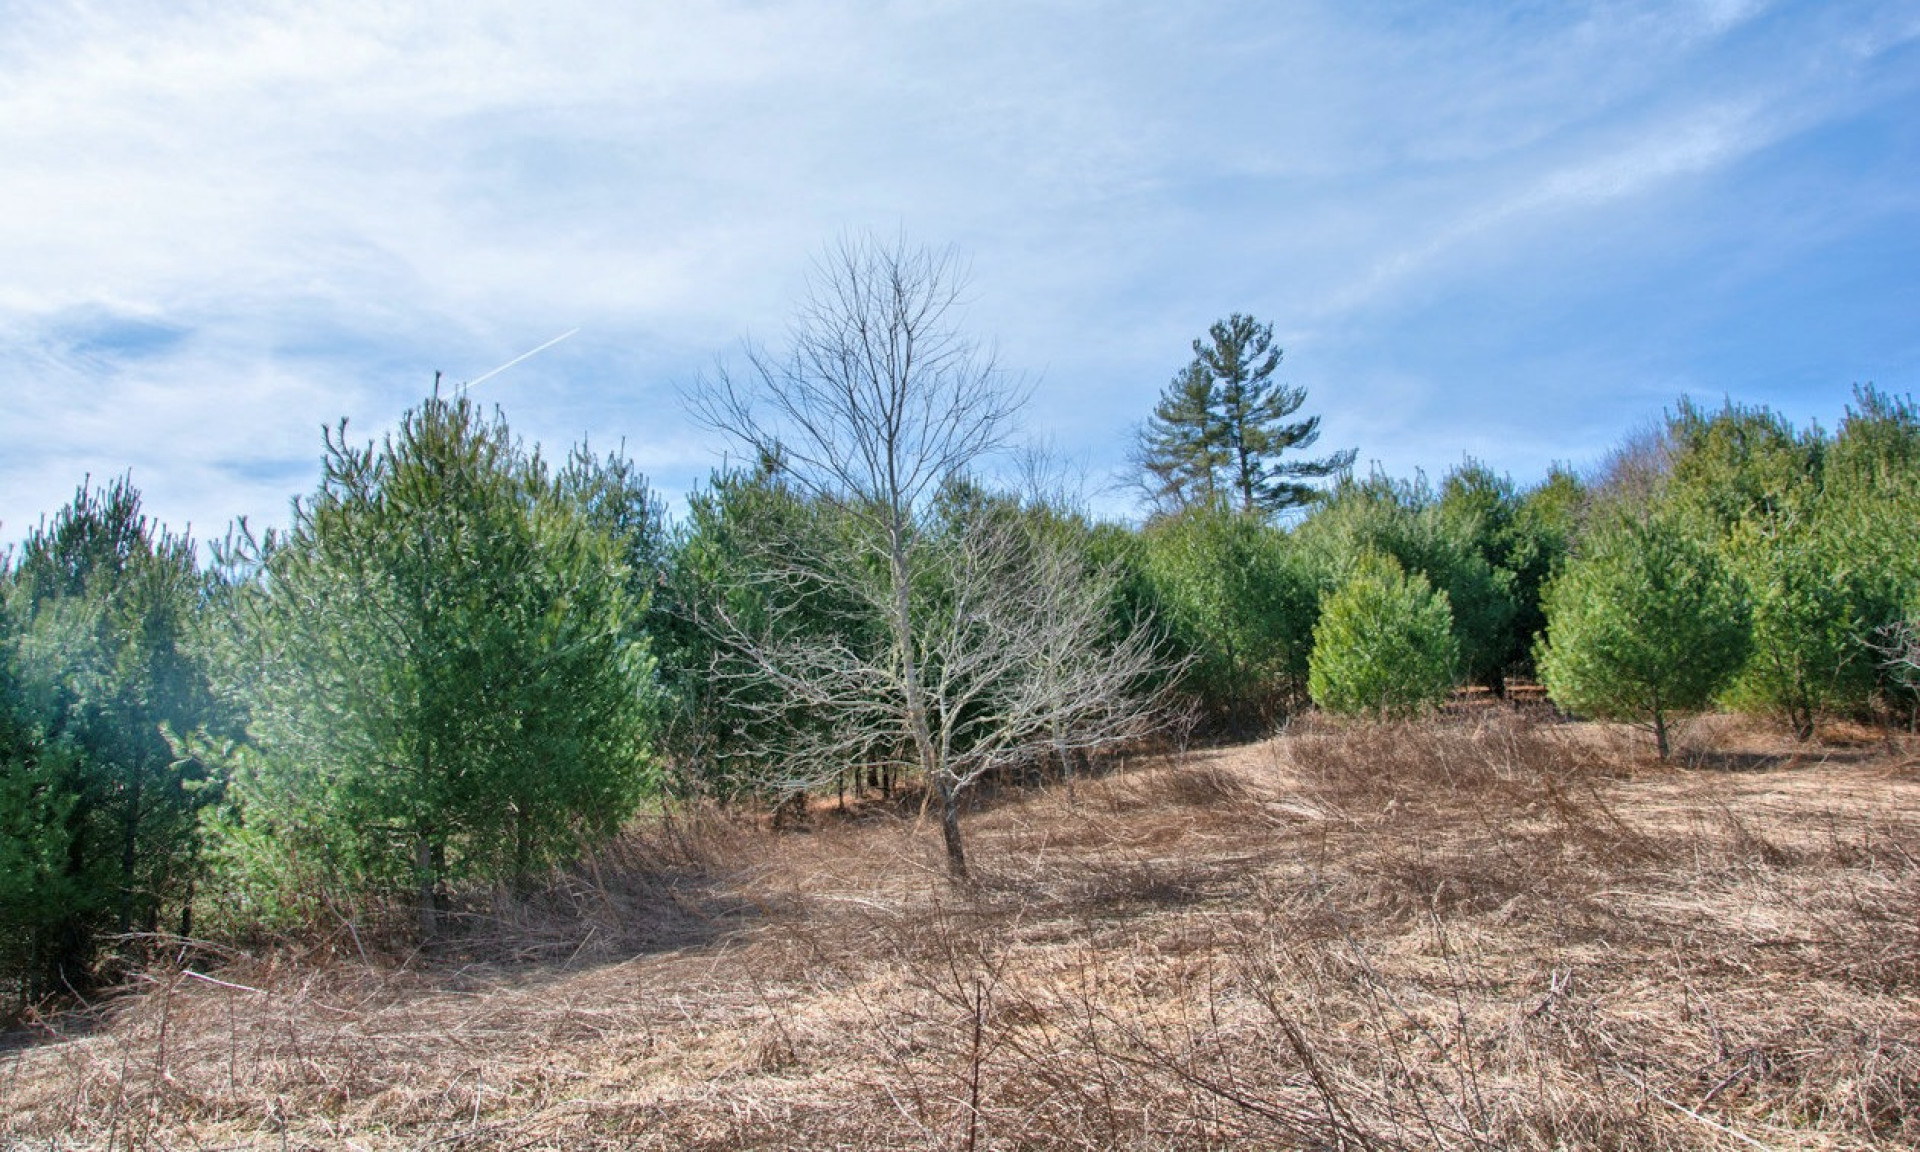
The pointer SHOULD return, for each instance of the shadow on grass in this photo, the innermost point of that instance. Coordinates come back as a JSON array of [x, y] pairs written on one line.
[[55, 1027], [1737, 761]]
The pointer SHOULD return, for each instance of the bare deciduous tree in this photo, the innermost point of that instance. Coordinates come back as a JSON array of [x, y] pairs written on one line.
[[988, 641]]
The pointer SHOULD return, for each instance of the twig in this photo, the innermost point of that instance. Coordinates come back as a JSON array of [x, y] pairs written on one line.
[[1557, 982], [204, 978]]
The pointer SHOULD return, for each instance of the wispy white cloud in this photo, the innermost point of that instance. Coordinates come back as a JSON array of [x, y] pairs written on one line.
[[1677, 147]]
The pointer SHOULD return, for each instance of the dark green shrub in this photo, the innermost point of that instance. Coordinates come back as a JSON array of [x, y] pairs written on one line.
[[1384, 645], [1236, 605]]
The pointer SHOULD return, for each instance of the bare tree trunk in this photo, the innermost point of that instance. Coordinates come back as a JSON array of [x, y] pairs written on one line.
[[1802, 709], [423, 876], [129, 850], [916, 700], [950, 831], [1066, 760]]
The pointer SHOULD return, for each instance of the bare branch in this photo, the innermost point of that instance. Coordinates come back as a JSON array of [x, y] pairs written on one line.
[[971, 638], [1899, 647]]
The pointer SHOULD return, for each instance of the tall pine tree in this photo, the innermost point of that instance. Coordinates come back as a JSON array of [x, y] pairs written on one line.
[[1181, 453], [1222, 426]]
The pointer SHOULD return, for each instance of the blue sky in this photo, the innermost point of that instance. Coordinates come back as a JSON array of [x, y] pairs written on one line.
[[1512, 231]]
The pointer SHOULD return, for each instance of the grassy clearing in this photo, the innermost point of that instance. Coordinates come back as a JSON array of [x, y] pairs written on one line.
[[1474, 933]]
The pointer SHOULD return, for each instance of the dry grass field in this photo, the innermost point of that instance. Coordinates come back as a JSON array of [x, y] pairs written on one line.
[[1482, 932]]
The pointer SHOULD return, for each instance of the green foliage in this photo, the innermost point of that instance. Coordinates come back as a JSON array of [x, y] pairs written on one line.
[[1222, 426], [1643, 622], [1554, 507], [1877, 450], [1545, 524], [1236, 605], [41, 889], [1809, 657], [1817, 531], [1804, 533], [441, 667], [1384, 645], [1449, 545], [1123, 551], [613, 497], [98, 814], [1183, 450], [1478, 505], [1521, 538], [1737, 466], [1870, 515]]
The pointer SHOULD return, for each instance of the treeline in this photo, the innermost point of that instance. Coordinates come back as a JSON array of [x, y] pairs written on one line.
[[1723, 559], [462, 664]]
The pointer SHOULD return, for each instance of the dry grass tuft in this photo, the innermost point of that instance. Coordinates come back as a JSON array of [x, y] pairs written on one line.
[[1483, 932]]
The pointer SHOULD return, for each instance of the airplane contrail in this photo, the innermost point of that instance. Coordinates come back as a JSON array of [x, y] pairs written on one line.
[[523, 356]]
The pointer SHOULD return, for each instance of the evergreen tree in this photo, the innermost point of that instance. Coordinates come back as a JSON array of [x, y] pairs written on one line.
[[1182, 450], [1739, 467], [732, 556], [1384, 645], [1643, 622], [1756, 488], [1521, 536], [46, 891], [1237, 605], [1871, 514], [1406, 521], [98, 812], [1810, 652], [442, 669], [1220, 430]]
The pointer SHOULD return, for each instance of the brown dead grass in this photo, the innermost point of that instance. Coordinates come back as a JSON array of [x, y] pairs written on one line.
[[1478, 933]]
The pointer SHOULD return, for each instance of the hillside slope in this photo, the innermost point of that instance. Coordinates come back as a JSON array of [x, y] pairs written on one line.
[[1482, 933]]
